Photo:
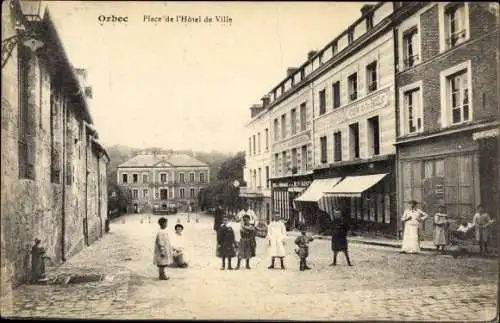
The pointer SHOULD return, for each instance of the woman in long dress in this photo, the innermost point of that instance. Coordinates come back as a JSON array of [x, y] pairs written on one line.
[[440, 229], [276, 235], [412, 218]]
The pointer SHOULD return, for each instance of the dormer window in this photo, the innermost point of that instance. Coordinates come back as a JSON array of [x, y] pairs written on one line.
[[350, 36], [369, 21]]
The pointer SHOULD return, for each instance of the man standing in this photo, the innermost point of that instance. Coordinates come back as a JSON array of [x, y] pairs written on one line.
[[218, 216]]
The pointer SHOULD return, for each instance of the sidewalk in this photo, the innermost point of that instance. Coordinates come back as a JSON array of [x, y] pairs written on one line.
[[425, 245]]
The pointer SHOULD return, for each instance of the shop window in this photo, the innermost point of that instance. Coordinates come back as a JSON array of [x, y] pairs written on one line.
[[354, 140]]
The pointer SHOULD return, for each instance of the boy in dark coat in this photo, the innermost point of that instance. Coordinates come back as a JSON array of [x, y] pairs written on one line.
[[339, 236], [225, 244], [302, 243]]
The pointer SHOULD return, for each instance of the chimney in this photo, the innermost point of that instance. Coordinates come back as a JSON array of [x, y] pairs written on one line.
[[291, 70], [255, 110], [311, 54], [366, 8], [265, 101]]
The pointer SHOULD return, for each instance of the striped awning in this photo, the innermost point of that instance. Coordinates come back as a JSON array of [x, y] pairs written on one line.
[[354, 186], [317, 188]]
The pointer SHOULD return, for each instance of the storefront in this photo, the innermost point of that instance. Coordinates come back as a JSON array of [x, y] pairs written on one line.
[[366, 194], [284, 191], [458, 170], [259, 200]]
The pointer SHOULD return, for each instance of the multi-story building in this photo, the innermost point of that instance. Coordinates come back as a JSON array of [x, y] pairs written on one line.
[[257, 170], [447, 107], [354, 121], [157, 179], [53, 167]]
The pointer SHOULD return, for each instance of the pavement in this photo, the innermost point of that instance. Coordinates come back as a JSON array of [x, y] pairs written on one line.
[[382, 285]]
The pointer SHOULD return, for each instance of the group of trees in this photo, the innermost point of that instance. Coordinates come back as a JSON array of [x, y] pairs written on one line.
[[224, 170]]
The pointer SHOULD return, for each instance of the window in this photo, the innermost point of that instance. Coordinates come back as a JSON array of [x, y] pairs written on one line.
[[145, 193], [322, 102], [276, 164], [284, 164], [412, 111], [258, 142], [335, 48], [303, 117], [352, 81], [294, 160], [267, 176], [254, 180], [371, 76], [456, 24], [124, 178], [350, 36], [410, 47], [374, 136], [336, 94], [369, 21], [55, 136], [260, 177], [135, 178], [163, 177], [458, 97], [354, 140], [191, 177], [254, 145], [337, 146], [267, 138], [250, 146], [283, 126], [202, 177], [293, 121], [25, 122], [323, 156], [181, 192], [276, 130], [191, 192], [135, 193], [145, 179], [303, 158], [181, 177]]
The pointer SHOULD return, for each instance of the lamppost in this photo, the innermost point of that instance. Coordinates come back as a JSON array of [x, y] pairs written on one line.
[[27, 15]]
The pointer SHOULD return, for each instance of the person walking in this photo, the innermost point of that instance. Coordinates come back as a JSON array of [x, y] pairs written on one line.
[[440, 229], [340, 227], [276, 235], [225, 244], [246, 249], [162, 249], [412, 218], [481, 221]]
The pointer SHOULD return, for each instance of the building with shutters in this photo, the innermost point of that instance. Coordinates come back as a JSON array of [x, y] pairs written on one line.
[[163, 180], [447, 107]]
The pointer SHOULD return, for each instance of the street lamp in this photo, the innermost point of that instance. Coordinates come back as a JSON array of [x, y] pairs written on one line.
[[27, 14]]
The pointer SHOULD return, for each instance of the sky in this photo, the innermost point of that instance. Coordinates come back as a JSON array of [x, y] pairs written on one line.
[[189, 85]]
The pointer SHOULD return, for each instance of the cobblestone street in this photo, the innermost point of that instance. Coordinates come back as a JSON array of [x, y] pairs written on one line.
[[382, 284]]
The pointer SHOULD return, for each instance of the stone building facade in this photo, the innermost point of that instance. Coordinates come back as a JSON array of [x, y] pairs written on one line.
[[160, 179], [447, 107], [53, 167]]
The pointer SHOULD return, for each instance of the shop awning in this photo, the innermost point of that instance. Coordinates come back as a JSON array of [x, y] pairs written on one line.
[[317, 188], [353, 186]]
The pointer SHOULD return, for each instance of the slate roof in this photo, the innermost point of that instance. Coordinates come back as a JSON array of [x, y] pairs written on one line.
[[150, 160]]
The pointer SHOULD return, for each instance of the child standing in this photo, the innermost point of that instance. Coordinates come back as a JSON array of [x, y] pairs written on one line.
[[163, 252], [225, 243], [303, 248], [440, 229], [177, 242]]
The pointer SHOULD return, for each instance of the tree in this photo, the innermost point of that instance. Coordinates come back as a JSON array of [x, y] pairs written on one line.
[[232, 168]]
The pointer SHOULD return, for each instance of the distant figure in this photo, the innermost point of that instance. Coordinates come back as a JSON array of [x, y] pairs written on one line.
[[412, 218], [440, 229], [276, 235], [246, 249], [481, 221], [218, 215], [225, 243], [163, 252], [247, 210], [339, 236], [302, 251], [177, 242]]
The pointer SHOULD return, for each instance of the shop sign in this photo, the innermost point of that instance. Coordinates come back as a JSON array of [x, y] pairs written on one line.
[[293, 184], [298, 140], [368, 105]]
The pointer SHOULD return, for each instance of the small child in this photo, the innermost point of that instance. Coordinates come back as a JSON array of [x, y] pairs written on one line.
[[177, 242], [163, 251], [303, 248]]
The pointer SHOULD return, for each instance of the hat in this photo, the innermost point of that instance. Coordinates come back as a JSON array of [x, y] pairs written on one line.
[[178, 225], [246, 216]]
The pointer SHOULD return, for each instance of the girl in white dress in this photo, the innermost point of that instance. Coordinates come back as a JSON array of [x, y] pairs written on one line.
[[412, 218], [276, 235]]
